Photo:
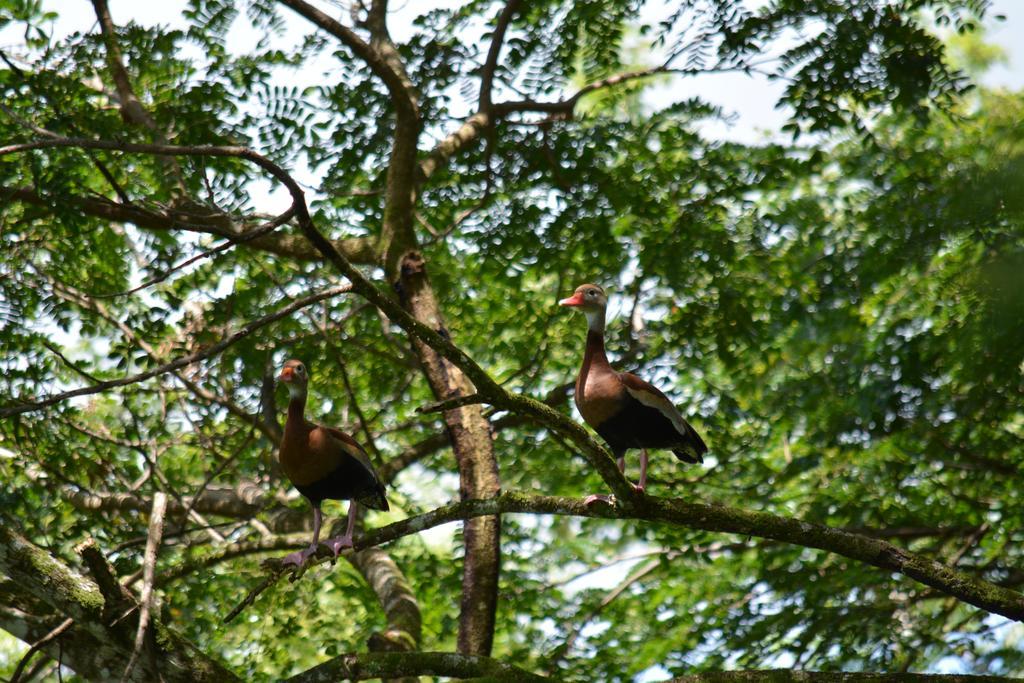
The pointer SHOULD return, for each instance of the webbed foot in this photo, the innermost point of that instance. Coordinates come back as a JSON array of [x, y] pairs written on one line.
[[299, 557], [338, 544]]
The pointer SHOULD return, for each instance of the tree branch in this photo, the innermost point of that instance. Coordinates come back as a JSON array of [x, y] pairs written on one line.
[[462, 138], [230, 552], [357, 249], [182, 362], [399, 88], [247, 236], [146, 598], [404, 630], [494, 51], [380, 40], [471, 129], [578, 622], [117, 600], [244, 501], [282, 176], [35, 647], [719, 518], [565, 107], [360, 667], [94, 644], [132, 110]]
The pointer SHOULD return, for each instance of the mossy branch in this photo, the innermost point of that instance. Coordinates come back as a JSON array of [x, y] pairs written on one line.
[[706, 517], [362, 666], [101, 641]]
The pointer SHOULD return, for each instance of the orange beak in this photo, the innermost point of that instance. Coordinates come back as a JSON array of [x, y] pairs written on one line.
[[574, 300], [286, 375]]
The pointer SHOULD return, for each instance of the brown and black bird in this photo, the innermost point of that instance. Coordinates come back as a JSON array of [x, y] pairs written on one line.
[[625, 410], [324, 463]]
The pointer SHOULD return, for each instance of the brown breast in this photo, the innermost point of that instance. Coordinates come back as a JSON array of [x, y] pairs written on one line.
[[308, 454], [599, 395]]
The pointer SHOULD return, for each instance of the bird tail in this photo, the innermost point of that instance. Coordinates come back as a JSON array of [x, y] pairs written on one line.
[[693, 449], [374, 498]]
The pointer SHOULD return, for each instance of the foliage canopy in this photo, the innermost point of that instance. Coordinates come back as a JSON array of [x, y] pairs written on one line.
[[839, 312]]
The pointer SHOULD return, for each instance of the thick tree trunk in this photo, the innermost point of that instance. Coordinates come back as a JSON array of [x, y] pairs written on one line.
[[472, 444], [468, 429]]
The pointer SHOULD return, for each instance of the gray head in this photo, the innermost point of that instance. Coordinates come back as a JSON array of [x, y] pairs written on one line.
[[592, 300], [295, 376]]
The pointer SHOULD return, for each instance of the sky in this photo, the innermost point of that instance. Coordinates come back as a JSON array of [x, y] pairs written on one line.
[[751, 99], [1008, 34], [748, 100]]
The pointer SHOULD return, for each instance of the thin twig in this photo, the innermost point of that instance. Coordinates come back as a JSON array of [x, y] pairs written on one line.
[[559, 653], [182, 362], [216, 472], [156, 530], [57, 352], [37, 646], [247, 236], [972, 540], [706, 517]]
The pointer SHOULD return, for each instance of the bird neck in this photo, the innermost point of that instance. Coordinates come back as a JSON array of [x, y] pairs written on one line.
[[594, 355], [296, 405]]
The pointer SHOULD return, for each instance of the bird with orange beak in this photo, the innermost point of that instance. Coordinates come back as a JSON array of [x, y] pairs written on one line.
[[623, 409], [323, 463]]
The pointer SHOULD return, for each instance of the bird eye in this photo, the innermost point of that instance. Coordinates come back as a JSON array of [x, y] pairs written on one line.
[[299, 369], [592, 292]]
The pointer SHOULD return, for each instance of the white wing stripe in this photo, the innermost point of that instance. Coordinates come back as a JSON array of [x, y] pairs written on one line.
[[667, 409]]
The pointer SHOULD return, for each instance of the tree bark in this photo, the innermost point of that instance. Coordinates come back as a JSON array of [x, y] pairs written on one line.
[[360, 667], [472, 443], [44, 591], [468, 428], [404, 629], [406, 272]]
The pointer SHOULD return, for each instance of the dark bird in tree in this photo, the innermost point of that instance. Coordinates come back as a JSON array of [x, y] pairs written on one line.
[[625, 410], [324, 463]]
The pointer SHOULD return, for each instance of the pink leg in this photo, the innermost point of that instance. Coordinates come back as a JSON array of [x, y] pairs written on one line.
[[600, 498], [299, 557], [642, 486], [336, 544]]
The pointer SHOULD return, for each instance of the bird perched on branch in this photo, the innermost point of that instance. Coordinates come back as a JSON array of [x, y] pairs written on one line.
[[625, 410], [324, 463]]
